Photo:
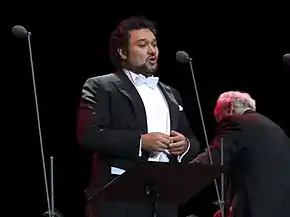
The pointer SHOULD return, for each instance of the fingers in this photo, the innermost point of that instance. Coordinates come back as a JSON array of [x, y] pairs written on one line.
[[177, 148], [175, 136], [176, 151], [179, 144], [163, 143], [163, 135], [162, 146], [174, 144], [165, 140], [174, 133]]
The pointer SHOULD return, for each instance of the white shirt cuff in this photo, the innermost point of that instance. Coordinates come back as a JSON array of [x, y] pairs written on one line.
[[179, 157], [140, 147]]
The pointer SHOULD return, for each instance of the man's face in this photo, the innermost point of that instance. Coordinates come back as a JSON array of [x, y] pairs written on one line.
[[142, 52]]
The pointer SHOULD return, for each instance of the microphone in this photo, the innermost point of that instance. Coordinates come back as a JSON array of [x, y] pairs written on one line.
[[20, 32], [183, 57], [286, 59]]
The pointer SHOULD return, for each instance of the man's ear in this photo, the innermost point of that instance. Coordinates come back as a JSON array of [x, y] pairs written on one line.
[[122, 54]]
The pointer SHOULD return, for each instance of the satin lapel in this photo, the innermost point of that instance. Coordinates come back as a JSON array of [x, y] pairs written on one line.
[[125, 86], [172, 104]]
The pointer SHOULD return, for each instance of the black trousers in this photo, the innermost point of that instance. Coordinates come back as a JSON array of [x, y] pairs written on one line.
[[96, 208]]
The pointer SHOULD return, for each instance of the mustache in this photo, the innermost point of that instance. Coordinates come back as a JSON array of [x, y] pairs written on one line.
[[151, 57]]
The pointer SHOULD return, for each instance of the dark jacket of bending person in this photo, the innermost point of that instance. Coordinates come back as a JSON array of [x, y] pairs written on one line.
[[257, 152]]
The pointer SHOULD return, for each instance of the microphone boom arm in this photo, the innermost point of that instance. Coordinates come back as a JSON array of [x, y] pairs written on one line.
[[21, 32], [38, 124], [183, 57]]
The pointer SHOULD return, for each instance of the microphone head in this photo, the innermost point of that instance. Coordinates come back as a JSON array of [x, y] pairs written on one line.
[[183, 57], [19, 31], [286, 59]]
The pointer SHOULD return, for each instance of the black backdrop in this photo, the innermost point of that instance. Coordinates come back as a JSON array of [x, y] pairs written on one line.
[[241, 51]]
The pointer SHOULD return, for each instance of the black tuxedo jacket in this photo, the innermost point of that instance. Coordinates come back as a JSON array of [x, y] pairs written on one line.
[[258, 154], [111, 119]]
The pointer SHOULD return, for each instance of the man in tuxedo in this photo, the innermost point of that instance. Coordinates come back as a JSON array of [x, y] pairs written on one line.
[[130, 116], [257, 152]]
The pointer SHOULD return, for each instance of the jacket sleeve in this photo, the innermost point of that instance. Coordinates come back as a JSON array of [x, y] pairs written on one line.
[[185, 129], [93, 124], [228, 137]]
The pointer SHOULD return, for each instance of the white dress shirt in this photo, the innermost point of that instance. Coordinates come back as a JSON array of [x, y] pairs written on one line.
[[157, 113]]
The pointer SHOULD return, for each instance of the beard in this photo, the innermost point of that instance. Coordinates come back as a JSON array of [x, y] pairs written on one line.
[[147, 69]]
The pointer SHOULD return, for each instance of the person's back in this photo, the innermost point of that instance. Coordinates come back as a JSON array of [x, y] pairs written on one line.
[[260, 174], [257, 152]]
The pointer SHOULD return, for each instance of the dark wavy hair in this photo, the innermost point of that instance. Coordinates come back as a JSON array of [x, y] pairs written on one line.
[[120, 36]]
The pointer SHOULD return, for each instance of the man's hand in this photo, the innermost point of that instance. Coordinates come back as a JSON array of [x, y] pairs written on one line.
[[179, 143], [155, 142]]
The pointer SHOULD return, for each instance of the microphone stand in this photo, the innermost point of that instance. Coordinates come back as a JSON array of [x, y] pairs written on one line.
[[51, 212], [220, 200]]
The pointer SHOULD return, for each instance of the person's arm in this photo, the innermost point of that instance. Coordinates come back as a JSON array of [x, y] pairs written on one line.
[[184, 128], [231, 133], [93, 125]]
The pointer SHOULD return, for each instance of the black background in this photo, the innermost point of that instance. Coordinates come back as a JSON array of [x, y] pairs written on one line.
[[230, 50]]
